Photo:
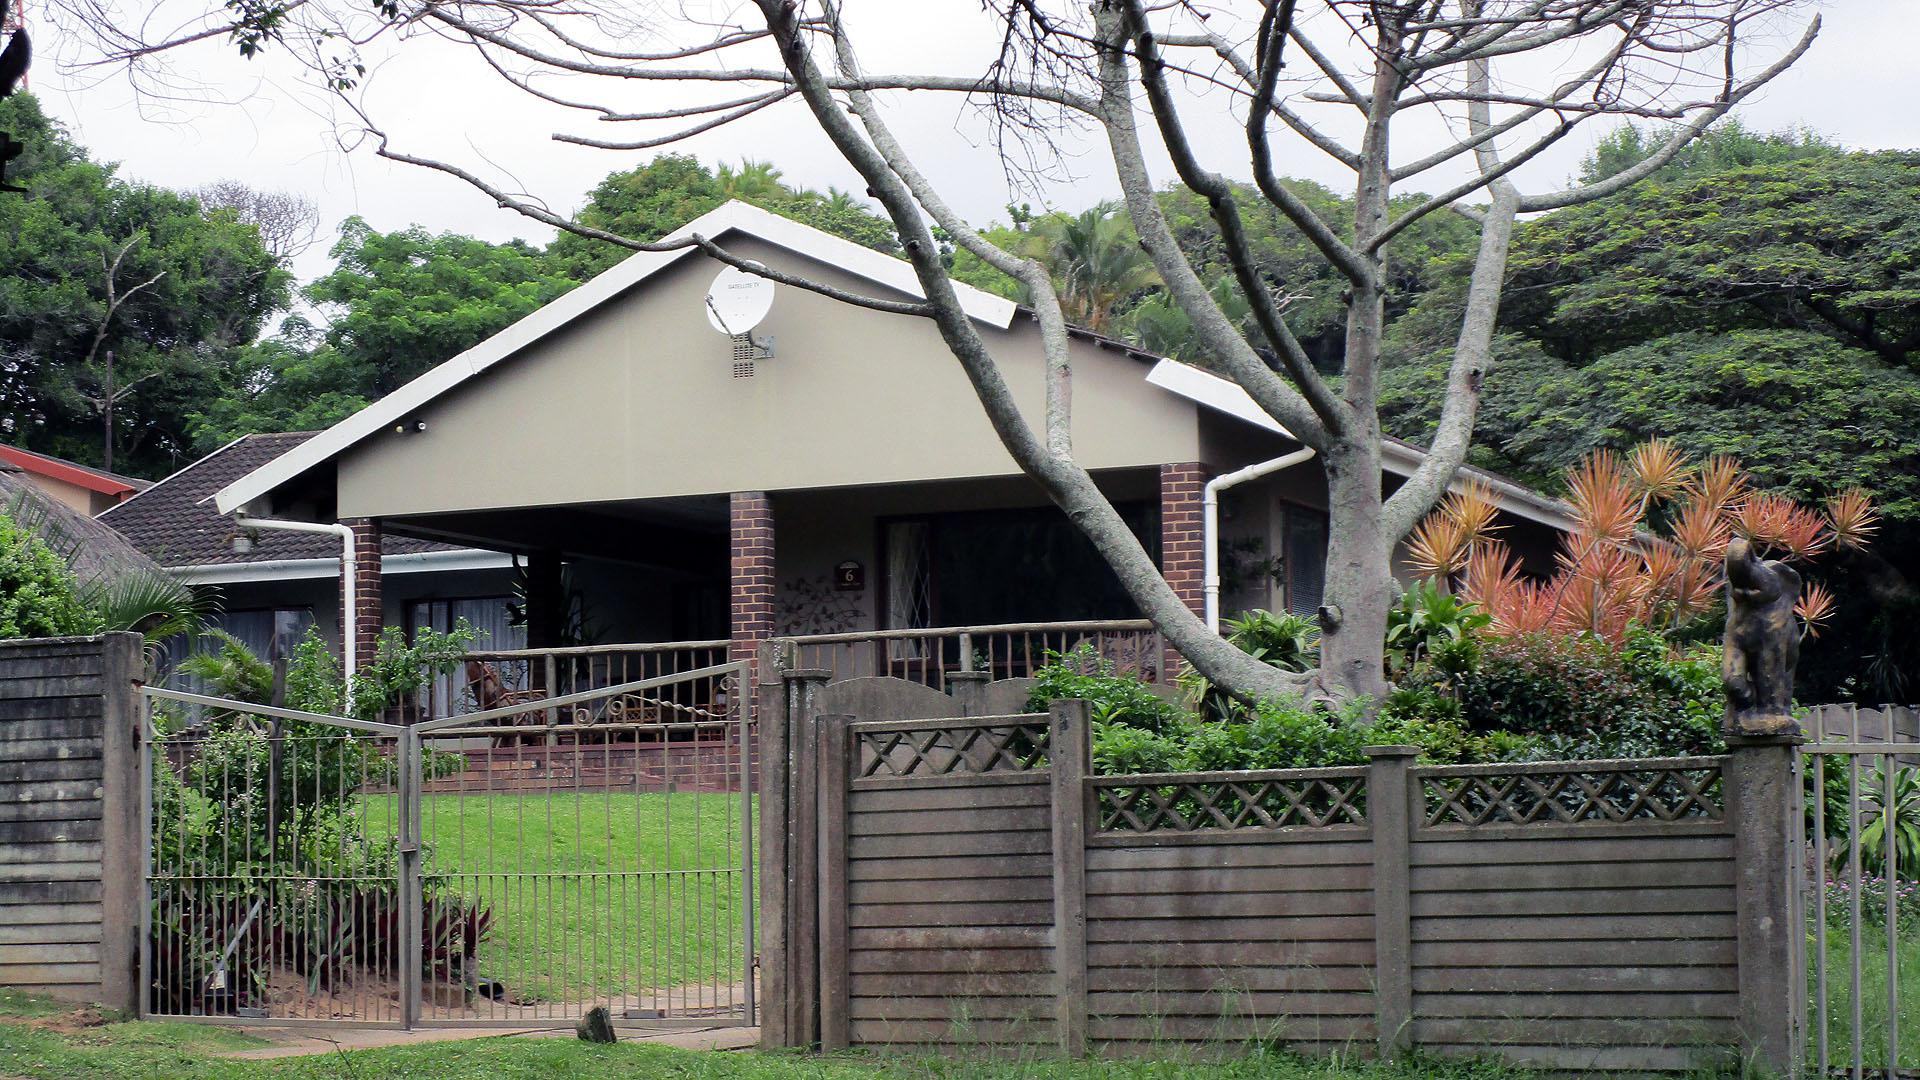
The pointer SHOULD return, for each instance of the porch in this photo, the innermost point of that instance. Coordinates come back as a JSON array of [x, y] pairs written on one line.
[[917, 581]]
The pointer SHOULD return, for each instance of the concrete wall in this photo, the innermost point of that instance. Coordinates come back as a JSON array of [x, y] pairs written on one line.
[[638, 400]]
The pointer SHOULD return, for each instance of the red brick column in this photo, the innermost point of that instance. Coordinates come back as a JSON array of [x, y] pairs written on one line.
[[368, 616], [751, 587], [1182, 545]]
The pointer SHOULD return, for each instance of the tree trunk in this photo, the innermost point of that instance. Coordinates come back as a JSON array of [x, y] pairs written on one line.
[[1359, 588]]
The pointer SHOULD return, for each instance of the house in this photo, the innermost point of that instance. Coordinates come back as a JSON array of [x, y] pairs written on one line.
[[664, 481], [41, 501], [274, 584], [69, 483]]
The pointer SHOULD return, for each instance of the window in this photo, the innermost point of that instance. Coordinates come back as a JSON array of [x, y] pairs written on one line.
[[1002, 566], [1304, 547], [268, 633], [492, 616]]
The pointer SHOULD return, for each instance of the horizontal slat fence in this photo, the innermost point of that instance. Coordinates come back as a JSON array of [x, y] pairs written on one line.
[[948, 882], [69, 806], [1576, 916], [979, 887], [1230, 908]]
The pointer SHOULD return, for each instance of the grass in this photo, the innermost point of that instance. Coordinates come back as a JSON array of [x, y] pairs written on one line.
[[149, 1051], [650, 897], [1873, 997]]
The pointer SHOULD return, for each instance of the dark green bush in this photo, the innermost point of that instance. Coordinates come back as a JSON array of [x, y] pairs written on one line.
[[38, 594], [1580, 697], [1467, 698], [1286, 641], [1082, 673]]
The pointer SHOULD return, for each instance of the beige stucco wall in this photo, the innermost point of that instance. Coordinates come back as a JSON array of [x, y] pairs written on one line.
[[638, 400], [72, 496]]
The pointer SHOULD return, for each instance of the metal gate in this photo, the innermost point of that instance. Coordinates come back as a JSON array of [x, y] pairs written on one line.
[[511, 867], [1863, 897]]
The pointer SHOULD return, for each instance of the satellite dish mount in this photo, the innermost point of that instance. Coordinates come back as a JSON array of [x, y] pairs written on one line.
[[736, 303]]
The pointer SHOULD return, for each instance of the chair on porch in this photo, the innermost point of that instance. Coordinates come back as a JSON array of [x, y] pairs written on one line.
[[490, 692]]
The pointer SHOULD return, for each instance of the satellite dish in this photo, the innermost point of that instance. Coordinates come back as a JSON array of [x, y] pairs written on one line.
[[737, 301]]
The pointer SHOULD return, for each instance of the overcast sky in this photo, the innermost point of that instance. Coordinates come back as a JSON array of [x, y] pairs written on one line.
[[1857, 86]]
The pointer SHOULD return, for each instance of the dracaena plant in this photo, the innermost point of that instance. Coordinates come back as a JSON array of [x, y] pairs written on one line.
[[1647, 548]]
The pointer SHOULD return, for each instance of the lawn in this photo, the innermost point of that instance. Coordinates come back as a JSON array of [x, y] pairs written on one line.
[[1873, 998], [652, 895], [145, 1051]]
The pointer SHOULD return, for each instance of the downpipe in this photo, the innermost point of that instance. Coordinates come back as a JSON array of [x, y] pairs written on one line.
[[1210, 520], [350, 597]]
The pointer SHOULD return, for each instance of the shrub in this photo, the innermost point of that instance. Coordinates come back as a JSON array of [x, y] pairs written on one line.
[[1583, 697], [1428, 617], [1286, 641], [38, 594], [1112, 699]]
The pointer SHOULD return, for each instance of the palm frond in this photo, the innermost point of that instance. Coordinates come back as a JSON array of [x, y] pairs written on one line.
[[1815, 606], [1720, 483]]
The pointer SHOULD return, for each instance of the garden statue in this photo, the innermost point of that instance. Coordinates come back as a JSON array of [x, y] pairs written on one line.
[[1762, 644]]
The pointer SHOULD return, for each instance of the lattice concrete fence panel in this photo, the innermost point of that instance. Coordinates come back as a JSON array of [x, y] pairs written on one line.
[[964, 882]]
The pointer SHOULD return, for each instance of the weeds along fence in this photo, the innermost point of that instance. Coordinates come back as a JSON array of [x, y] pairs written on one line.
[[952, 882]]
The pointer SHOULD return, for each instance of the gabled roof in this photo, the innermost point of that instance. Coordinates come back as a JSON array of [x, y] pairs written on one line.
[[881, 269], [72, 472], [175, 523]]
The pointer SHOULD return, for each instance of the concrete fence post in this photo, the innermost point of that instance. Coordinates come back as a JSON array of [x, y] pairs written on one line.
[[788, 873], [969, 690], [830, 733], [1069, 757], [123, 856], [1763, 803], [1391, 803]]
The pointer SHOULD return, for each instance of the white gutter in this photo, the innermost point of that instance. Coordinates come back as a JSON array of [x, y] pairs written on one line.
[[417, 562], [1210, 525], [349, 600]]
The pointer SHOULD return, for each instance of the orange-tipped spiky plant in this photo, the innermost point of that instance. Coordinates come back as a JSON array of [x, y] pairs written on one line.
[[1814, 608], [1660, 470], [1854, 518], [1603, 499], [1612, 570]]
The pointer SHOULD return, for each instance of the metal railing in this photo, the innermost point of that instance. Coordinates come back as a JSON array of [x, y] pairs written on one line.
[[500, 677], [1004, 651], [513, 866], [1861, 899]]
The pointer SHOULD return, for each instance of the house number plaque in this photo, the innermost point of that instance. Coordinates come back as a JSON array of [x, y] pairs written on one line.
[[849, 576]]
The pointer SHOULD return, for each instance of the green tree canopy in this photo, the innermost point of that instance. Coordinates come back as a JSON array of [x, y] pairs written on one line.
[[651, 201], [93, 265], [1824, 242], [402, 301]]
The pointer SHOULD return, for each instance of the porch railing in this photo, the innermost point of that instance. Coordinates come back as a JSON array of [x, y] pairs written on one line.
[[495, 678], [1005, 651]]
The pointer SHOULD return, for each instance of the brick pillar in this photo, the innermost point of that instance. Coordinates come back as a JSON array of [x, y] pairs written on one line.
[[1182, 553], [368, 616], [750, 590]]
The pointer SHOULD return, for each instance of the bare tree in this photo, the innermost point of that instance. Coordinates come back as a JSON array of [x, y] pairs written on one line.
[[288, 223], [1341, 77]]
